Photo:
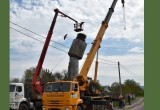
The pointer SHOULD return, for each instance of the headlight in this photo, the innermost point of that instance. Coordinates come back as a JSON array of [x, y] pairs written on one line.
[[66, 109]]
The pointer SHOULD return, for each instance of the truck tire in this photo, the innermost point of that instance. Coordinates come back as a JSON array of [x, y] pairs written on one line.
[[23, 106], [110, 106]]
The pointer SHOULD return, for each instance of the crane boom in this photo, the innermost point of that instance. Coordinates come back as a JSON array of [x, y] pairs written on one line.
[[44, 50], [96, 69], [82, 77], [82, 93], [91, 55], [37, 86]]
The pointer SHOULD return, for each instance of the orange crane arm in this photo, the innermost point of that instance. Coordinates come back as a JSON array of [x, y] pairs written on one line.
[[95, 47], [82, 77]]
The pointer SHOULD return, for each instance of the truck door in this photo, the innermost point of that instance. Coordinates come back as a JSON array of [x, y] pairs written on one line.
[[74, 93], [19, 93]]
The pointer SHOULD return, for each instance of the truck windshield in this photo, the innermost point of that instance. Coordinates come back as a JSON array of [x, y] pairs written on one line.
[[58, 87], [12, 88]]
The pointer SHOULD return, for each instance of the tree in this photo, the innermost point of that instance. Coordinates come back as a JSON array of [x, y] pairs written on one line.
[[67, 75], [99, 86], [58, 76], [131, 86], [47, 76], [15, 80], [28, 75], [115, 89]]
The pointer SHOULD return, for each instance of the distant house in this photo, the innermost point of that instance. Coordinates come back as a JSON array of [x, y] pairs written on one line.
[[106, 89]]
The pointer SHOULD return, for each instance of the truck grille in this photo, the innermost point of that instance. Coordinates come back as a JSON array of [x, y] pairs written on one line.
[[54, 109], [55, 102]]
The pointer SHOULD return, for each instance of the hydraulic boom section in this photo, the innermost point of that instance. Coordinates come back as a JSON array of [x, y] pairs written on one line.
[[82, 77], [37, 86]]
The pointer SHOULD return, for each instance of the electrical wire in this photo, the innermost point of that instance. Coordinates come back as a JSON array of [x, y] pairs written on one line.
[[58, 63], [107, 60], [131, 73], [130, 70], [113, 63], [37, 39], [106, 63], [45, 38], [37, 34]]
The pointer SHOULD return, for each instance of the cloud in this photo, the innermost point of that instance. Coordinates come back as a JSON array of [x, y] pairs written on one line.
[[108, 70], [136, 50], [121, 45]]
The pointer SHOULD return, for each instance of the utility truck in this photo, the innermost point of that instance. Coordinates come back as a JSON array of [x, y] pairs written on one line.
[[20, 97], [79, 93], [29, 96]]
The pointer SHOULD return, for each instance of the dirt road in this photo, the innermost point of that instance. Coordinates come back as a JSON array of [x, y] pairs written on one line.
[[137, 105]]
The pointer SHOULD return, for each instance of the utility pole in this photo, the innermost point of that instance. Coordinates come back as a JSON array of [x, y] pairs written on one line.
[[120, 78]]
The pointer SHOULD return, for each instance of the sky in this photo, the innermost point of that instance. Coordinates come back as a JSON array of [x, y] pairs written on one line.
[[118, 44]]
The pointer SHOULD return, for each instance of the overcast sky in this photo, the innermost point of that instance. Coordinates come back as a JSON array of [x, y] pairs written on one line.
[[125, 46]]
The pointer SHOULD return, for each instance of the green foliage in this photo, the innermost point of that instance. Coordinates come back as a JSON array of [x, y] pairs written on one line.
[[129, 86], [28, 74], [58, 76], [67, 76], [46, 76], [15, 80], [115, 89], [99, 86]]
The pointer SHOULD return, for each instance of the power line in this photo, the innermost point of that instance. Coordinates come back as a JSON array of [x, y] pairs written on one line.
[[37, 34], [106, 63], [58, 63], [132, 73], [111, 62], [61, 49], [37, 39], [135, 76], [51, 40], [107, 60]]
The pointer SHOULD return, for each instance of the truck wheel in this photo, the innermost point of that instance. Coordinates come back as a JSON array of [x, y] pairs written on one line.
[[79, 108], [23, 107], [110, 106]]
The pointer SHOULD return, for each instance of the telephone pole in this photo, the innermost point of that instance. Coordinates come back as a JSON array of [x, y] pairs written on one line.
[[120, 78]]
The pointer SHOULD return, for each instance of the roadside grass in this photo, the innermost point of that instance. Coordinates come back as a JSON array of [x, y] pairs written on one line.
[[116, 104]]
